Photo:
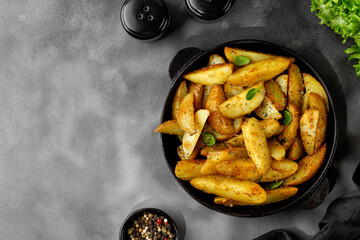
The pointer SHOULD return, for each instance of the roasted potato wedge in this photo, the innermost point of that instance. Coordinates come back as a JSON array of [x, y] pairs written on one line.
[[231, 90], [316, 102], [180, 151], [185, 114], [270, 127], [229, 187], [189, 169], [312, 85], [190, 141], [296, 150], [216, 59], [237, 141], [218, 136], [238, 122], [308, 127], [272, 196], [259, 71], [216, 120], [277, 151], [180, 93], [198, 91], [170, 127], [207, 149], [282, 82], [275, 95], [211, 75], [205, 94], [288, 135], [231, 53], [256, 145], [308, 166], [296, 86], [238, 105], [267, 110]]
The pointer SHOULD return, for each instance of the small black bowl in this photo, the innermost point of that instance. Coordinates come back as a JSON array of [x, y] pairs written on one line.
[[135, 214]]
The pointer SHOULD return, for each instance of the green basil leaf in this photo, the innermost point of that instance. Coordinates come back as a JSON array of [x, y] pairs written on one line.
[[287, 117], [259, 178], [273, 185], [241, 61], [208, 139], [251, 93]]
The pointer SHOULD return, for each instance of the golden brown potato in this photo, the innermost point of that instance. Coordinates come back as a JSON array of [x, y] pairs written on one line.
[[259, 71], [185, 114], [272, 196], [308, 166], [305, 103], [180, 93], [240, 190], [189, 141], [308, 126], [218, 136], [256, 145], [277, 151], [316, 102], [238, 122], [216, 59], [170, 127], [231, 90], [180, 151], [288, 135], [216, 120], [211, 75], [270, 127], [198, 91], [281, 128], [274, 94], [205, 94], [312, 85], [245, 169], [207, 149], [296, 86], [282, 82], [238, 105], [237, 141], [296, 150], [227, 154], [188, 169], [267, 110]]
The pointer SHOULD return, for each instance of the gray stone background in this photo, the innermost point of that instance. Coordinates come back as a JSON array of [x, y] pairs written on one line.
[[79, 100]]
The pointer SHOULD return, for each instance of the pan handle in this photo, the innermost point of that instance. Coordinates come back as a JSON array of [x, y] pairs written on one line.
[[181, 59]]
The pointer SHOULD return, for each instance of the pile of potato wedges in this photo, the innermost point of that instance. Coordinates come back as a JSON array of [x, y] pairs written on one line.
[[248, 133]]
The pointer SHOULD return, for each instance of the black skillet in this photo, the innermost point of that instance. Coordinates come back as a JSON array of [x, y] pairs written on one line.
[[190, 59]]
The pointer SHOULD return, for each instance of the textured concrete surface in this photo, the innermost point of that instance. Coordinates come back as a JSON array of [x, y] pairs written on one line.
[[79, 100]]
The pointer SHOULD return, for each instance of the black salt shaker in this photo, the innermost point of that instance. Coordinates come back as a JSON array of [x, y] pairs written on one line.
[[208, 10], [145, 20]]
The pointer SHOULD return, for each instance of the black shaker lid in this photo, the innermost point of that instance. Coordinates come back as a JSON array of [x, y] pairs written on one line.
[[145, 19], [208, 10]]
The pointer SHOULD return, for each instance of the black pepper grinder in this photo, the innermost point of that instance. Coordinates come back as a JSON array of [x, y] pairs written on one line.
[[208, 10], [145, 20]]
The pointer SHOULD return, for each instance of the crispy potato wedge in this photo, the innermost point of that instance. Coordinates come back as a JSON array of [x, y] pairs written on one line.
[[209, 168], [216, 59], [216, 120], [194, 154], [275, 95], [305, 103], [207, 149], [282, 82], [231, 90], [180, 93], [185, 114], [245, 169], [240, 190], [267, 110], [315, 101], [256, 145], [170, 127], [308, 127], [288, 135], [238, 105], [205, 94], [211, 75], [218, 136], [238, 122], [237, 141], [270, 127], [231, 53], [281, 128], [189, 169], [277, 151], [296, 150], [259, 71], [308, 166], [296, 86], [198, 91], [189, 141], [312, 85], [272, 196]]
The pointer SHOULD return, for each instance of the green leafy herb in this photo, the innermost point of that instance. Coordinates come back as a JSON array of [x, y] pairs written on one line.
[[241, 61], [344, 18], [208, 139], [287, 117], [251, 93], [259, 178], [277, 95], [273, 185]]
